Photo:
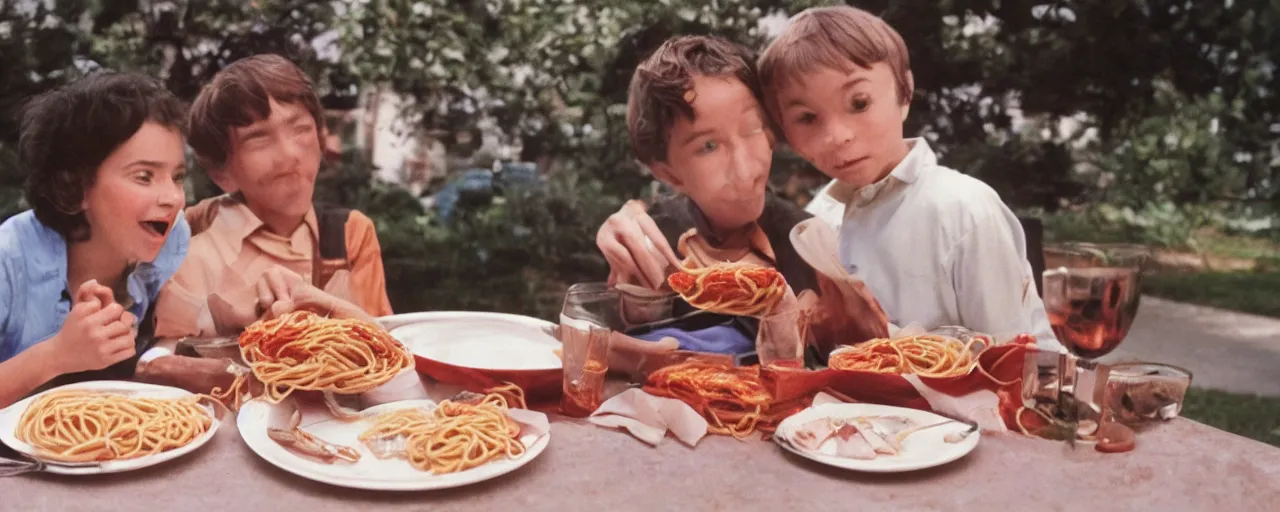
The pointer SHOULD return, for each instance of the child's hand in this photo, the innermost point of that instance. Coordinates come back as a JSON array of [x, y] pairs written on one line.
[[271, 296], [98, 332], [635, 248], [281, 292]]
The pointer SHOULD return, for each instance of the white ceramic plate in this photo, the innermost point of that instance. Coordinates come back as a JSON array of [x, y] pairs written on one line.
[[924, 449], [490, 341], [369, 472], [10, 416]]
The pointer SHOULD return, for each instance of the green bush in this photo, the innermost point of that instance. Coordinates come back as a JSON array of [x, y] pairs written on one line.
[[515, 255], [1160, 225]]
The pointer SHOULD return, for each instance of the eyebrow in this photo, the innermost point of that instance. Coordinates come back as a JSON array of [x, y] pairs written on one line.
[[253, 133], [696, 135], [849, 85], [146, 163], [797, 102], [295, 118]]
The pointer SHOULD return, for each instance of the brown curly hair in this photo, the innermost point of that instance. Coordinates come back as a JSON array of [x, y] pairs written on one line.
[[66, 134], [657, 92]]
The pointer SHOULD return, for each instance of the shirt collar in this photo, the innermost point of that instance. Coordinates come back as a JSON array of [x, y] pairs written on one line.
[[756, 237], [920, 157], [49, 257], [240, 222]]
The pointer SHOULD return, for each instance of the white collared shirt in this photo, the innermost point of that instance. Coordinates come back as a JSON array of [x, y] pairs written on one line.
[[936, 248]]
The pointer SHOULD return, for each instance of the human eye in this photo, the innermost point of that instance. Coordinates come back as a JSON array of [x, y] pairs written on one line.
[[708, 147], [143, 177], [806, 118], [860, 103], [255, 142]]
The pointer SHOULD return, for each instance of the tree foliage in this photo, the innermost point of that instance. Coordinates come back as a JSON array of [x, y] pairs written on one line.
[[1142, 104]]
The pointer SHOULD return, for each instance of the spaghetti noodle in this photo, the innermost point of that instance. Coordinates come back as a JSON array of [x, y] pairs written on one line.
[[733, 400], [88, 426], [232, 397], [456, 436], [512, 393], [925, 355], [304, 351], [731, 288]]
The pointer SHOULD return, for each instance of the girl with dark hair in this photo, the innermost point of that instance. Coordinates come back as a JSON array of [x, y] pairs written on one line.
[[105, 165]]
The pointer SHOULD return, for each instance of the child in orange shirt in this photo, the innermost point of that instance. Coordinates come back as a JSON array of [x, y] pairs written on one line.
[[264, 248]]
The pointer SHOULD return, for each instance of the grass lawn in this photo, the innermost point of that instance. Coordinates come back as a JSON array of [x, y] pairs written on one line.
[[1250, 416], [1250, 292]]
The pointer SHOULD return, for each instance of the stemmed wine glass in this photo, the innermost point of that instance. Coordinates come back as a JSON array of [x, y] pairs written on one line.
[[1091, 295]]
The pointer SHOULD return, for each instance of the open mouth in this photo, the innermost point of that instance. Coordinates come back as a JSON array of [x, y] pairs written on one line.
[[156, 227]]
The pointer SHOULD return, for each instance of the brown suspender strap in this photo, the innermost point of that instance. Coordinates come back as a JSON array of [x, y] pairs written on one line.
[[331, 249]]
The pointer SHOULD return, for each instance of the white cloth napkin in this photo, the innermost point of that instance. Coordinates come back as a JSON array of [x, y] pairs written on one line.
[[407, 385], [981, 407], [649, 417], [822, 398], [531, 422]]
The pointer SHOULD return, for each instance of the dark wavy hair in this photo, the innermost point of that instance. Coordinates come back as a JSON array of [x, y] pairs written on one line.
[[656, 95], [66, 134]]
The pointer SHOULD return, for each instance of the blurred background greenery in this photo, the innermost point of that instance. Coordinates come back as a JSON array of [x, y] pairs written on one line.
[[1155, 121]]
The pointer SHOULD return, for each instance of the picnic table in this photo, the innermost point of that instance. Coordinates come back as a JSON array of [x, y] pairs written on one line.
[[1178, 465]]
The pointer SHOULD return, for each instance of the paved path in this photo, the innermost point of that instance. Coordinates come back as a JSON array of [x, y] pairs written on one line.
[[1223, 349]]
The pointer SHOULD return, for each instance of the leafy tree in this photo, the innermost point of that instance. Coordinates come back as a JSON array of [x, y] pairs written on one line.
[[1154, 106]]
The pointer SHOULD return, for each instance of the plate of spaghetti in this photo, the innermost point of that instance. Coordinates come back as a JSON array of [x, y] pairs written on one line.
[[925, 355], [732, 399], [739, 289], [408, 445], [303, 351], [116, 425]]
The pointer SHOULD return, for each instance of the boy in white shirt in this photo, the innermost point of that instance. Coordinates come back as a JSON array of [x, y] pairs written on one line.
[[936, 247]]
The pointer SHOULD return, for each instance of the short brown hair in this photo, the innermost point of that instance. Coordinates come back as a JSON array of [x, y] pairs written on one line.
[[68, 132], [834, 37], [240, 95], [658, 87]]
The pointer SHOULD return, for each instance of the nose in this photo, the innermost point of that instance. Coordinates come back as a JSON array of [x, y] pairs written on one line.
[[839, 133], [745, 165], [174, 196], [292, 151]]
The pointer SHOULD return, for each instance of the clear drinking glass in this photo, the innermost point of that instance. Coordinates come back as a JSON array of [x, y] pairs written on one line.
[[588, 317], [1137, 394], [782, 338], [639, 306], [590, 304], [586, 363]]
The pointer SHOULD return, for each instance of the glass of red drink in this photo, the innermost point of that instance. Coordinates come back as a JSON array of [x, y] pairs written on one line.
[[1091, 294]]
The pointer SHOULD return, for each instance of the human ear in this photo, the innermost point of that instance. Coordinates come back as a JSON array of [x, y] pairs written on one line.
[[222, 178], [911, 91], [663, 172]]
